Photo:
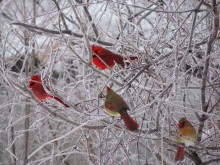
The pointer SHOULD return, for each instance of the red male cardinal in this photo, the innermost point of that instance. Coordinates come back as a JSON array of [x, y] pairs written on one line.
[[187, 136], [105, 59], [35, 84], [116, 106]]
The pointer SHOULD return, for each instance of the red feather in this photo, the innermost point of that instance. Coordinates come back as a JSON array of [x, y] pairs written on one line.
[[35, 84], [105, 59], [179, 153], [130, 123], [61, 101]]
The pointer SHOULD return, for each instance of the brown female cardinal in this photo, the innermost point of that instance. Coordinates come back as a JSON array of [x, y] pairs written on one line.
[[187, 136], [105, 59], [116, 106], [35, 84]]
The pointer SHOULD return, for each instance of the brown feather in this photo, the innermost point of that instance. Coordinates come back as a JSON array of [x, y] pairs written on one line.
[[116, 106]]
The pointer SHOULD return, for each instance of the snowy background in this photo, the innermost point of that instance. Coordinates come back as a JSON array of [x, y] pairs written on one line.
[[176, 75]]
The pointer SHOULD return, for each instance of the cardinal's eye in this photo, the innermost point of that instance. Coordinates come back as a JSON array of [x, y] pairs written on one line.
[[182, 124], [31, 83], [96, 51]]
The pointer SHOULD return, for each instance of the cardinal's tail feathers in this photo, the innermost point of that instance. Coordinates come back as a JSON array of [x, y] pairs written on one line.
[[125, 61], [179, 153], [133, 58], [61, 101], [130, 123]]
